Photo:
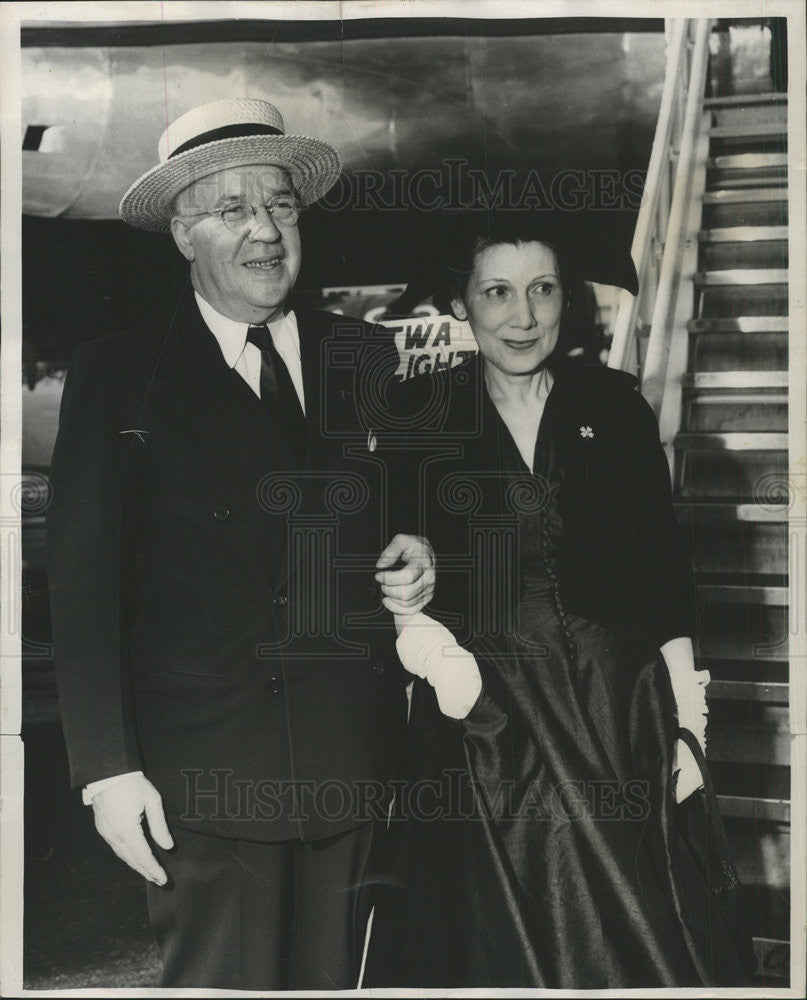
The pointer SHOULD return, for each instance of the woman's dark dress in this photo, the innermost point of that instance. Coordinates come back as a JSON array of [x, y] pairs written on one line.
[[531, 843]]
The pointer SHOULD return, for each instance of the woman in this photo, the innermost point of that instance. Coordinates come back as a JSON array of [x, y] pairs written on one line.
[[531, 842]]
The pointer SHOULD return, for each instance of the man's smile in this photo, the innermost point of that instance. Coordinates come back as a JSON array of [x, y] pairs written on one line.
[[264, 263]]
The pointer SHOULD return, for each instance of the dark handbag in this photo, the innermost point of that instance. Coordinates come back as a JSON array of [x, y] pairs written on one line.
[[710, 889]]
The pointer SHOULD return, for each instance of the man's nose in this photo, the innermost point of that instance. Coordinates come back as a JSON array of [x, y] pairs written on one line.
[[263, 227]]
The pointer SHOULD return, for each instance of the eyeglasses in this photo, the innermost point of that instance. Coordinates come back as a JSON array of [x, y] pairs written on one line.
[[237, 216]]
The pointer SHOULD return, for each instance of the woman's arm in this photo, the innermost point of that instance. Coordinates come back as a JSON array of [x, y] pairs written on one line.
[[668, 589], [427, 648], [689, 690]]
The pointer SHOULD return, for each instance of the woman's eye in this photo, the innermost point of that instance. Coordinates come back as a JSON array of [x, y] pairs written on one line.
[[544, 288], [496, 292]]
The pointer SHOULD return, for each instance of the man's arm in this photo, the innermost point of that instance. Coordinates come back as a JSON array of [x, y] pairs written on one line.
[[90, 479], [408, 589], [85, 531]]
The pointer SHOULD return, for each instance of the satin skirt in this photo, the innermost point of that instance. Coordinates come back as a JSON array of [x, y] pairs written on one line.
[[531, 844]]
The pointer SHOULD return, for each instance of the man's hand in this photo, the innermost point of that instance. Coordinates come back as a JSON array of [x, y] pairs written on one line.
[[119, 812], [409, 588]]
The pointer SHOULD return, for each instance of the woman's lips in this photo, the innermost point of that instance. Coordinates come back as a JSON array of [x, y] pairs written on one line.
[[521, 345]]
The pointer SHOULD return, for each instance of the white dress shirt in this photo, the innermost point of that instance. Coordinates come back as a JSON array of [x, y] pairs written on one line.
[[246, 360]]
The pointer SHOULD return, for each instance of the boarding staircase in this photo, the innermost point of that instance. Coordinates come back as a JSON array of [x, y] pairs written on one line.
[[732, 493], [712, 254]]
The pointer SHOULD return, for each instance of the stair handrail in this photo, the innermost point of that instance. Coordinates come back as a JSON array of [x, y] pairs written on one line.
[[662, 289], [647, 223], [654, 375]]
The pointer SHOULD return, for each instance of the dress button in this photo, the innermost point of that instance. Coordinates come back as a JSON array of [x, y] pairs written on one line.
[[374, 588], [281, 600], [221, 513], [378, 668], [275, 685]]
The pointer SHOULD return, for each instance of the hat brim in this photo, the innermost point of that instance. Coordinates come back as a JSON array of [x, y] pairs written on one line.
[[313, 165]]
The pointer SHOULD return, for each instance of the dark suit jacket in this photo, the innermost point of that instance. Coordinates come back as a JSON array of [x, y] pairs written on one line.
[[623, 556], [215, 616]]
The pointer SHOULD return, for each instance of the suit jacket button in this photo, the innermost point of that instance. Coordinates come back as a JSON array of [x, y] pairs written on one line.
[[275, 685], [221, 513], [378, 668], [281, 600]]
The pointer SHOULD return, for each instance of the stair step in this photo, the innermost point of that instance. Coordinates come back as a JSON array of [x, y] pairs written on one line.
[[747, 161], [768, 781], [750, 254], [723, 512], [729, 441], [748, 691], [744, 300], [717, 352], [738, 380], [773, 960], [754, 247], [742, 276], [743, 594], [745, 100], [745, 196], [739, 178], [761, 851], [756, 210], [723, 411], [777, 810], [743, 234], [756, 669], [739, 324], [737, 131], [714, 474], [758, 548], [767, 912], [730, 634], [756, 733], [753, 343]]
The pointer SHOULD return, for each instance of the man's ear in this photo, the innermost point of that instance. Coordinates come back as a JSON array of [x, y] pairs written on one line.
[[458, 308], [182, 237]]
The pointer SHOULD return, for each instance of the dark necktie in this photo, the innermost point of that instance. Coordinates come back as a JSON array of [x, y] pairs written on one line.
[[278, 394]]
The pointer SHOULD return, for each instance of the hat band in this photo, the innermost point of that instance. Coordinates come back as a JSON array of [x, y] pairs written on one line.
[[226, 132]]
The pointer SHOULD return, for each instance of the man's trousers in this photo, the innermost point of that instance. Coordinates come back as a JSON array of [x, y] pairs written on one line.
[[240, 914]]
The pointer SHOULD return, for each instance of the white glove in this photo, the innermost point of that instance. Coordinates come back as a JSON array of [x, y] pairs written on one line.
[[689, 690], [428, 649]]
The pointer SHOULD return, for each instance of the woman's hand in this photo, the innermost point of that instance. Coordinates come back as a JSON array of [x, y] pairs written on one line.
[[426, 648], [688, 774], [689, 691]]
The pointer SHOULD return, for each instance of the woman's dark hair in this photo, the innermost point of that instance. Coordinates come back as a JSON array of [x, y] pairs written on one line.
[[467, 235]]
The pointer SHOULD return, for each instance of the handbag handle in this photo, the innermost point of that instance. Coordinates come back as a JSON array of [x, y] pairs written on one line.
[[712, 809]]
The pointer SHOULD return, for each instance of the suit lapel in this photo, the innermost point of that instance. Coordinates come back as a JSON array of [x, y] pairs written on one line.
[[193, 379], [311, 330]]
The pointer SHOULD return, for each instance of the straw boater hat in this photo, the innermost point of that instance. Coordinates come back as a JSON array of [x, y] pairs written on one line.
[[228, 133]]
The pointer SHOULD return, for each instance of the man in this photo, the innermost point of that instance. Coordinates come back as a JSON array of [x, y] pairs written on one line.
[[225, 669]]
